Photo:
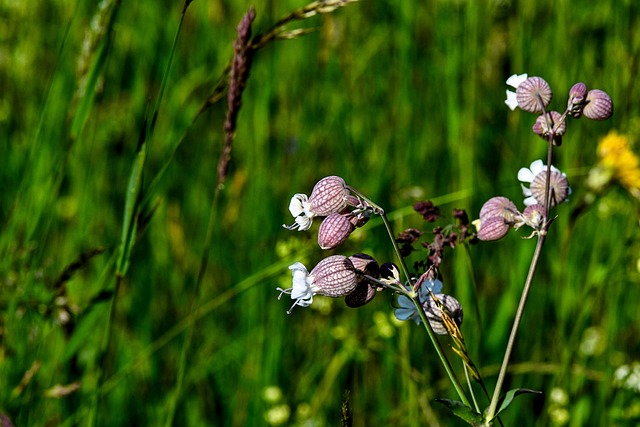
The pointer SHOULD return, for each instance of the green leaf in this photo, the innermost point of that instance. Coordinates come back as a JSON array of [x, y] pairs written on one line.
[[461, 410], [510, 395]]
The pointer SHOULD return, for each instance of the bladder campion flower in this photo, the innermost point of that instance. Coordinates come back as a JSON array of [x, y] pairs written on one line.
[[432, 308], [328, 196], [334, 276], [533, 94], [536, 176]]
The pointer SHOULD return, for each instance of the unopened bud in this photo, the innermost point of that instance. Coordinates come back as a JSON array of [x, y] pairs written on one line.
[[599, 105], [334, 231]]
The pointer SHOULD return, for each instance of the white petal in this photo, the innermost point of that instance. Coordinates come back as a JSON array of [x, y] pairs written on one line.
[[515, 80], [297, 204], [530, 201], [525, 175], [526, 192], [511, 101], [304, 222], [537, 166]]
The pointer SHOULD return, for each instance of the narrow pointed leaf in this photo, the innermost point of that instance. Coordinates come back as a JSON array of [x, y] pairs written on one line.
[[511, 394]]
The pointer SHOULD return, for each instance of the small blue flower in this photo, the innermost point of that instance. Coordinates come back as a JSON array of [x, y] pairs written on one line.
[[406, 308]]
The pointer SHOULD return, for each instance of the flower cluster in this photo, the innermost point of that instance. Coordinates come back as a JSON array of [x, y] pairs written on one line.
[[435, 304], [499, 214], [330, 198], [533, 94], [547, 185]]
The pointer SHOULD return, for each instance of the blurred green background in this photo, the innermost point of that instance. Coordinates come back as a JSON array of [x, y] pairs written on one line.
[[404, 100]]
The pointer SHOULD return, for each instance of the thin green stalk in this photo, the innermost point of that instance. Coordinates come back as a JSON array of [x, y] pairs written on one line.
[[514, 329], [542, 235], [443, 358], [432, 336]]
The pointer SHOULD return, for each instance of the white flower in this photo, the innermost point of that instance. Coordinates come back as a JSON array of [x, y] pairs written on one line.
[[536, 176], [514, 81], [299, 207], [303, 290], [334, 276], [406, 308]]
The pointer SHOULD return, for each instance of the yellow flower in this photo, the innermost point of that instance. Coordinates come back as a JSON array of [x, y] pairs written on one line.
[[622, 163]]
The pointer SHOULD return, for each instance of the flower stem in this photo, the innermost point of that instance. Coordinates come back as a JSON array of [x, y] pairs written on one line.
[[403, 266], [440, 351], [542, 235], [514, 329]]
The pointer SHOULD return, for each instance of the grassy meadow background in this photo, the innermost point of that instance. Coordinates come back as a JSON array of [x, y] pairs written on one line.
[[405, 101]]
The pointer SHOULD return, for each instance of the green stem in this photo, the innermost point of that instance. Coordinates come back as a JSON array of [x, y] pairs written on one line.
[[432, 336], [514, 329]]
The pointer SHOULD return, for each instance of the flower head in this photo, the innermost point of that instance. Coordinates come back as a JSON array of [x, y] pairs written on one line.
[[334, 276], [532, 93], [548, 124], [536, 176], [328, 196], [497, 215]]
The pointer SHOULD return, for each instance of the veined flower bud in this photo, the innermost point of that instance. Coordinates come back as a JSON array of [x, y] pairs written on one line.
[[532, 92], [599, 105], [493, 228], [334, 276], [557, 123], [329, 195], [558, 187], [498, 206], [434, 313], [334, 231], [577, 99]]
